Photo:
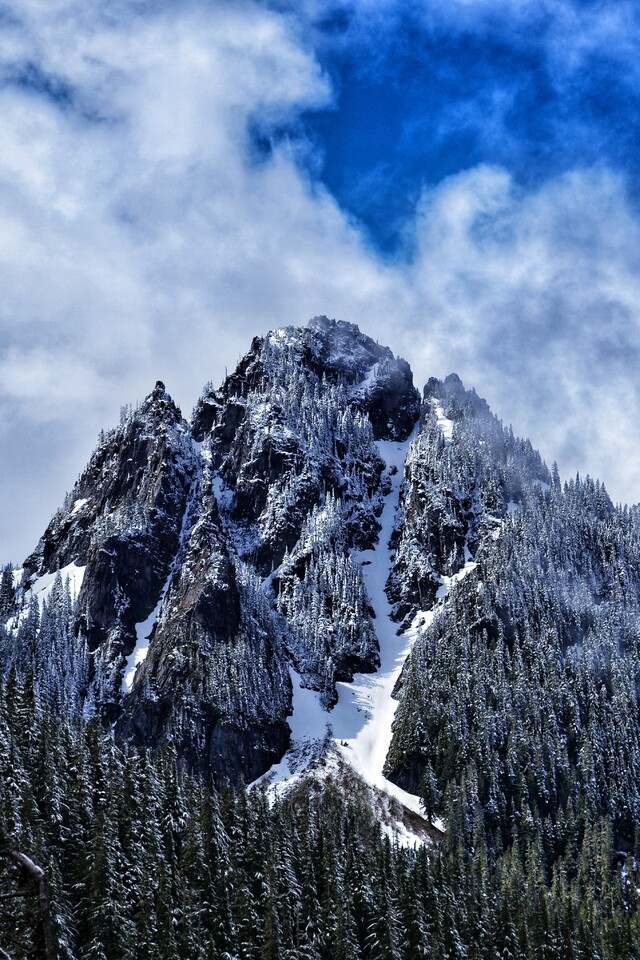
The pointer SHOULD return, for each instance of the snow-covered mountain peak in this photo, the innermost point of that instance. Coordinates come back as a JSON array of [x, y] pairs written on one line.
[[325, 352], [343, 349], [383, 612], [213, 572], [159, 405]]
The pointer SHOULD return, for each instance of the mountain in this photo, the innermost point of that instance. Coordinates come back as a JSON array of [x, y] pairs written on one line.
[[219, 554], [325, 581]]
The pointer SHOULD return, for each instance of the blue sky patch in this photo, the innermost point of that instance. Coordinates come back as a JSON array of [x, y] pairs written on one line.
[[418, 100]]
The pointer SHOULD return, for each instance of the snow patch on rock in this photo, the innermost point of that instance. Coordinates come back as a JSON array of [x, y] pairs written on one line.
[[446, 425], [141, 649], [42, 586], [448, 582]]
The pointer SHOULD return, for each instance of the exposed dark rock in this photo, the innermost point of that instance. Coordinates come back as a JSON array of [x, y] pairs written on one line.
[[234, 753], [122, 522], [391, 401], [214, 681], [455, 494], [288, 441]]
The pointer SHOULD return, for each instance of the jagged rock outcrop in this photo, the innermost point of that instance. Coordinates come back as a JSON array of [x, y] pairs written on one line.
[[122, 523], [232, 565], [215, 680], [327, 348], [298, 419], [463, 475], [223, 574]]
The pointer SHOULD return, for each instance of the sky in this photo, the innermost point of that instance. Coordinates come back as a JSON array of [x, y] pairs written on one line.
[[458, 177]]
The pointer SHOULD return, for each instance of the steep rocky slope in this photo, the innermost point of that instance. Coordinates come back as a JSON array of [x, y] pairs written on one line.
[[246, 577], [218, 555], [464, 474], [122, 523]]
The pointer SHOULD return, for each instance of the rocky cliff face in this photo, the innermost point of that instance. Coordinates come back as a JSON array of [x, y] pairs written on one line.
[[219, 554], [463, 475], [215, 680], [122, 524]]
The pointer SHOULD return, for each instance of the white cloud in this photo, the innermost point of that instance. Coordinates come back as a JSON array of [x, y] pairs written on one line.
[[114, 226], [535, 299]]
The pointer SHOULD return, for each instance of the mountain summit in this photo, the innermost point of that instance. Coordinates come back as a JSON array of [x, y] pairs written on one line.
[[217, 556], [296, 550], [312, 521], [357, 599]]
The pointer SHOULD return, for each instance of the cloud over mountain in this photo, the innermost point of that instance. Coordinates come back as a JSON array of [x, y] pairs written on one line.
[[145, 232]]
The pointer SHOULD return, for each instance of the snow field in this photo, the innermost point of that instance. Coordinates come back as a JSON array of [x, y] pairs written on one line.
[[42, 587], [363, 716], [358, 728], [143, 633]]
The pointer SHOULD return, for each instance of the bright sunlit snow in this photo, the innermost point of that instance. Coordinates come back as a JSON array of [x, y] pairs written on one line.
[[363, 716], [444, 423], [41, 588], [141, 649], [448, 582], [360, 723]]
